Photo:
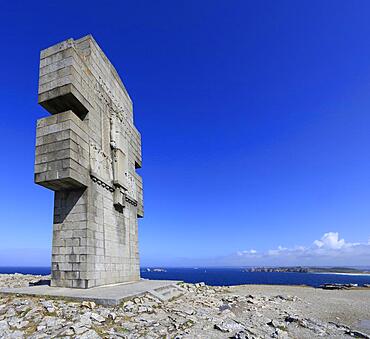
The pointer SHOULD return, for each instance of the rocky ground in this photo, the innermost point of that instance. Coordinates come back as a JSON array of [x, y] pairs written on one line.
[[201, 312]]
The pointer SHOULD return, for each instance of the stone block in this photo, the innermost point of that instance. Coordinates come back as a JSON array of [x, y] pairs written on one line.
[[59, 163], [62, 89], [120, 169]]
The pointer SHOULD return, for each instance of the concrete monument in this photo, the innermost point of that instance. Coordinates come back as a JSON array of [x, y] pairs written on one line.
[[87, 152]]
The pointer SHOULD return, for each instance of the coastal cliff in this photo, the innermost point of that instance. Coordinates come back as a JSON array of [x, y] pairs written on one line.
[[248, 311]]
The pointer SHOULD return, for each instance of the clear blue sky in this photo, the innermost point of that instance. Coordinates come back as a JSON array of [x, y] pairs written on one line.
[[255, 120]]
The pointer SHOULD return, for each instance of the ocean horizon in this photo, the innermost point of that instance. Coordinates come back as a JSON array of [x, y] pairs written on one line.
[[222, 276]]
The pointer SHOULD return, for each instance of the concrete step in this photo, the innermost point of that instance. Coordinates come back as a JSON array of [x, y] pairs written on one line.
[[166, 293], [105, 295]]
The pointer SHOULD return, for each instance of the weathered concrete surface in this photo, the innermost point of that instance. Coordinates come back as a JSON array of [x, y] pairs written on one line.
[[104, 295], [88, 151]]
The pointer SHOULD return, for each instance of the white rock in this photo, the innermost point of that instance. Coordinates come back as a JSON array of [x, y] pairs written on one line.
[[4, 327], [41, 328], [15, 335], [89, 304], [112, 316], [84, 321], [21, 324], [69, 332], [10, 312], [97, 317], [78, 328], [90, 334], [49, 306], [229, 325]]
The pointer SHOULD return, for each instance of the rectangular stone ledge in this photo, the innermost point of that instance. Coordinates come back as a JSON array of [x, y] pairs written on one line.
[[63, 98], [64, 80], [61, 180], [59, 165]]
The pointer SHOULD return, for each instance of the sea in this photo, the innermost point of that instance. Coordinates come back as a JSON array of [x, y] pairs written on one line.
[[227, 276]]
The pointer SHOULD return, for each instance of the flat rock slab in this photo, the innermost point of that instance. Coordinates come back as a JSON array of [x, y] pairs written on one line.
[[104, 295]]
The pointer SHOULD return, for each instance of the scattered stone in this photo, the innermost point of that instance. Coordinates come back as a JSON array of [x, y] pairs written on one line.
[[276, 324], [291, 319], [10, 312], [69, 332], [4, 328], [21, 324], [201, 284], [88, 304], [202, 311], [357, 334], [240, 335], [184, 310], [49, 306], [97, 317], [20, 280], [112, 316], [90, 334], [225, 307], [338, 286], [15, 335], [128, 305], [229, 326], [79, 328]]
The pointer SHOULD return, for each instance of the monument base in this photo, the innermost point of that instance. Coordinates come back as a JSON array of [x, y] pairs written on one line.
[[105, 295]]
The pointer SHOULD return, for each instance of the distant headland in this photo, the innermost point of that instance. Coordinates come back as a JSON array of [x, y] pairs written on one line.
[[303, 269]]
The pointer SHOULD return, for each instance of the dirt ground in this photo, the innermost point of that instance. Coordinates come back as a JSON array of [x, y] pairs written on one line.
[[349, 307]]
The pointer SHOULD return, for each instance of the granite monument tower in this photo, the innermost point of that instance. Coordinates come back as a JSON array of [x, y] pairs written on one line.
[[88, 152]]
